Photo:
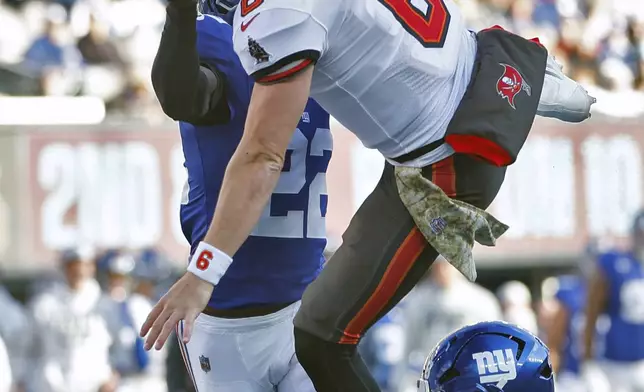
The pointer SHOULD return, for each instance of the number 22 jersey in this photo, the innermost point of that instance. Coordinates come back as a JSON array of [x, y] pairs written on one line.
[[285, 250], [393, 72]]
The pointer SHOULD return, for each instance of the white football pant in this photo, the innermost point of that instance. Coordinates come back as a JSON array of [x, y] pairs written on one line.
[[255, 354]]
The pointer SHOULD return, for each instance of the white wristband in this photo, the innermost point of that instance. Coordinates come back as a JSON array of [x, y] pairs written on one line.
[[209, 263]]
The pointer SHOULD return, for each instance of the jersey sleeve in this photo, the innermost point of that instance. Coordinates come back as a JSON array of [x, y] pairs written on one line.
[[187, 90], [276, 43], [216, 53], [213, 38]]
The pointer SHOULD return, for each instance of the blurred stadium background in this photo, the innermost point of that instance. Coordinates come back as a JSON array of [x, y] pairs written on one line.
[[87, 158]]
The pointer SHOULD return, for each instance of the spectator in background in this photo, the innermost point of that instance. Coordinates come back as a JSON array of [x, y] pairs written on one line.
[[72, 342], [598, 41], [114, 308], [117, 270], [443, 302], [619, 59], [53, 57], [565, 332], [103, 261], [516, 305], [125, 313], [16, 331], [96, 46], [105, 72], [150, 269]]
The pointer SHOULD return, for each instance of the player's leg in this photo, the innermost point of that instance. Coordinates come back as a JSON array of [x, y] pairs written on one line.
[[216, 361], [296, 379], [286, 373], [382, 257], [347, 282]]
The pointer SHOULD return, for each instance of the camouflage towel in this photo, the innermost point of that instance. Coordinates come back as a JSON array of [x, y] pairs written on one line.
[[450, 226]]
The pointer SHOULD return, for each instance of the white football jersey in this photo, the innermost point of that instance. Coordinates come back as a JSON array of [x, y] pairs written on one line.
[[391, 71]]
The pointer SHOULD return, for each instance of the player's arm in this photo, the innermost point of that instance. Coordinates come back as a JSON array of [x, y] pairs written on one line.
[[595, 305], [556, 334], [250, 178], [279, 48], [254, 169], [187, 89]]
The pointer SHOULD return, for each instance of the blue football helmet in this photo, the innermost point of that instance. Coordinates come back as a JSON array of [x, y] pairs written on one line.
[[488, 357]]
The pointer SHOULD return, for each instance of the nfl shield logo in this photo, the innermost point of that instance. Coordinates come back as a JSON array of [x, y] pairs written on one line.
[[205, 363], [437, 225]]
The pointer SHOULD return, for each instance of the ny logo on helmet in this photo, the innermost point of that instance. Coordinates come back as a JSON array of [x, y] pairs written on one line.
[[511, 83], [496, 367]]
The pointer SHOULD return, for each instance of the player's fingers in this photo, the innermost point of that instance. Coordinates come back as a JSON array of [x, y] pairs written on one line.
[[168, 327], [188, 323], [157, 326], [152, 316]]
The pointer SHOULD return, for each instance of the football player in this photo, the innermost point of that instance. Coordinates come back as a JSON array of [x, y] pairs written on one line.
[[437, 100], [488, 357], [565, 332], [617, 288], [243, 338]]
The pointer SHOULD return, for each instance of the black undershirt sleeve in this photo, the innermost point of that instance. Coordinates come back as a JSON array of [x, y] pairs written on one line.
[[187, 89]]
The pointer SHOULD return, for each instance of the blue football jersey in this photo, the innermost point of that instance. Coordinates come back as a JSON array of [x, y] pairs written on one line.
[[625, 306], [572, 295], [285, 250]]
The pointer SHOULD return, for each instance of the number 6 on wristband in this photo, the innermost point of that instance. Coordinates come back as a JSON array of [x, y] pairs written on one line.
[[204, 259], [209, 263]]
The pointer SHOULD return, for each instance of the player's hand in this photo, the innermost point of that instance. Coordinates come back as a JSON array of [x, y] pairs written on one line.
[[186, 299]]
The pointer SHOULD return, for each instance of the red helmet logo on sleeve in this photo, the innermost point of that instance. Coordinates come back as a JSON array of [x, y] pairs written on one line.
[[511, 83]]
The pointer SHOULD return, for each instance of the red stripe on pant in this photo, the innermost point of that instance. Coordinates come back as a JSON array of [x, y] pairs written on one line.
[[444, 176], [400, 264]]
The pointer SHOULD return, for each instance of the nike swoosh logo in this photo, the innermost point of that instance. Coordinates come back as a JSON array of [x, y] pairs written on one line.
[[244, 26]]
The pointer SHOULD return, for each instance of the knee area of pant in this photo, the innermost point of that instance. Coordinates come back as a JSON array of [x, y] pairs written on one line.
[[309, 346], [306, 344]]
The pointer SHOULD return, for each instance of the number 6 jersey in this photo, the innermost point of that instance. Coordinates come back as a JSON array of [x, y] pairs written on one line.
[[391, 71]]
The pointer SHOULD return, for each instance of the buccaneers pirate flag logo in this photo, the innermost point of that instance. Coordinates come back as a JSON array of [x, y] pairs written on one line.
[[511, 83]]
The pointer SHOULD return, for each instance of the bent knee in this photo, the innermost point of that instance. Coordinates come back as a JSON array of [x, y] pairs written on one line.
[[306, 345], [309, 347]]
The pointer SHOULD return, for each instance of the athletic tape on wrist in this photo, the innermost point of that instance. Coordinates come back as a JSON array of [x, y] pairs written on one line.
[[209, 263]]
